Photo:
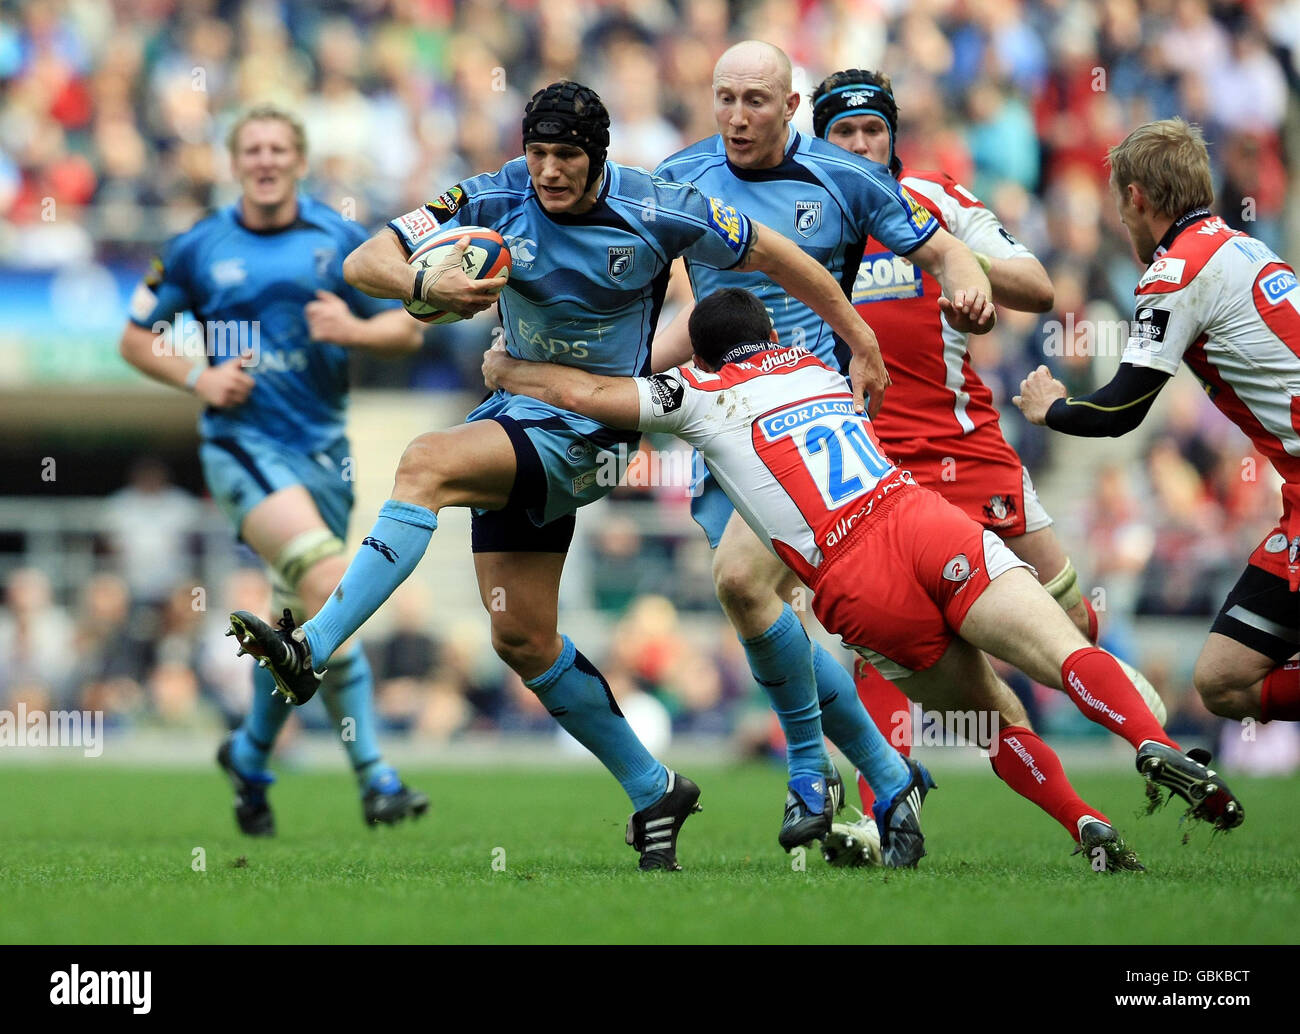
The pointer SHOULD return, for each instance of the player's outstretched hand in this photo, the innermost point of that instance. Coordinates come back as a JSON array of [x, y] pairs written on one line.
[[330, 319], [225, 384], [447, 287], [1037, 393], [493, 361], [969, 313]]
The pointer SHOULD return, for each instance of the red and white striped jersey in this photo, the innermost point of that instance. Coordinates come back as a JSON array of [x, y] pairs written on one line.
[[1225, 303], [778, 432], [935, 392]]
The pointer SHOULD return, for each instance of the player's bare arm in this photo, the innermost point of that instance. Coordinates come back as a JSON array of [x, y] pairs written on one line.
[[1112, 410], [379, 268], [611, 400], [967, 303], [387, 334], [1020, 283], [223, 385], [807, 279]]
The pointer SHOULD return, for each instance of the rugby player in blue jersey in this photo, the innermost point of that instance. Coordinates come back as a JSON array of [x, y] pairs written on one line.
[[263, 280], [593, 243], [830, 203]]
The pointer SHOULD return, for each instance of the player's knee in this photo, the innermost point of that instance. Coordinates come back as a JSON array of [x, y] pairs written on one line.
[[1220, 691], [522, 649], [423, 470], [738, 588]]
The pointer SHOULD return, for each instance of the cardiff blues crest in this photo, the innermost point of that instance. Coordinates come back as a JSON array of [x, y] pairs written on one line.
[[807, 217]]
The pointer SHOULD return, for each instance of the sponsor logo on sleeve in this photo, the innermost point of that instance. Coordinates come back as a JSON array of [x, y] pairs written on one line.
[[1007, 237], [143, 301], [957, 569], [447, 204], [416, 226], [155, 275], [728, 222], [807, 217], [920, 215], [1149, 328], [1166, 270], [621, 261], [1278, 285], [666, 394]]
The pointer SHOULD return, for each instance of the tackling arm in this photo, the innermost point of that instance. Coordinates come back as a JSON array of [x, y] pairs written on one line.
[[613, 401]]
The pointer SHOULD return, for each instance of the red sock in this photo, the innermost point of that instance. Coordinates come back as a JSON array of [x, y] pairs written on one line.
[[1031, 768], [885, 702], [1099, 688], [1094, 623], [1279, 700]]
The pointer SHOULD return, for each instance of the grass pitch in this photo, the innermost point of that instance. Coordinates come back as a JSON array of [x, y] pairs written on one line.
[[107, 855]]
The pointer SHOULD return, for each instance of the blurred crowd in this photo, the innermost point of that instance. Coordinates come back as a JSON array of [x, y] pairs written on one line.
[[112, 125]]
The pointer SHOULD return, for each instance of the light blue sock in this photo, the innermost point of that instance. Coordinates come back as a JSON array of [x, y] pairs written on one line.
[[348, 694], [851, 729], [387, 555], [579, 698], [251, 747], [781, 662]]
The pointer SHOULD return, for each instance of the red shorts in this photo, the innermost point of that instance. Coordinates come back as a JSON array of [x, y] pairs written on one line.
[[901, 587], [980, 474], [1279, 553]]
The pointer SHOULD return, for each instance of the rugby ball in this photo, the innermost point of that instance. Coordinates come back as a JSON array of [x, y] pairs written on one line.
[[487, 256]]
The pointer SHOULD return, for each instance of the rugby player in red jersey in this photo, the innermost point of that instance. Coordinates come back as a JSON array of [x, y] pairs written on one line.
[[902, 575], [939, 420], [1225, 303]]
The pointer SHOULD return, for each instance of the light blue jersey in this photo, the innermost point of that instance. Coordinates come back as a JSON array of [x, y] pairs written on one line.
[[828, 201], [246, 290], [584, 290], [825, 199]]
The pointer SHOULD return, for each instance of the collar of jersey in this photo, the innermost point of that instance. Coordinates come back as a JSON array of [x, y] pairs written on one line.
[[745, 350], [1179, 225], [298, 223], [593, 214], [777, 172]]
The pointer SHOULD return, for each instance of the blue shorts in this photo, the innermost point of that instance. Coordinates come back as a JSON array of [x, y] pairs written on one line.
[[577, 460], [243, 471], [710, 507]]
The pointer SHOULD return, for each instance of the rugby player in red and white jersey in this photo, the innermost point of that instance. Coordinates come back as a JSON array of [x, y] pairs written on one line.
[[1225, 303], [902, 575], [939, 420]]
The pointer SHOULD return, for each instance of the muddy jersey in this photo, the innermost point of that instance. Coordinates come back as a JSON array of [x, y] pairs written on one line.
[[778, 432]]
